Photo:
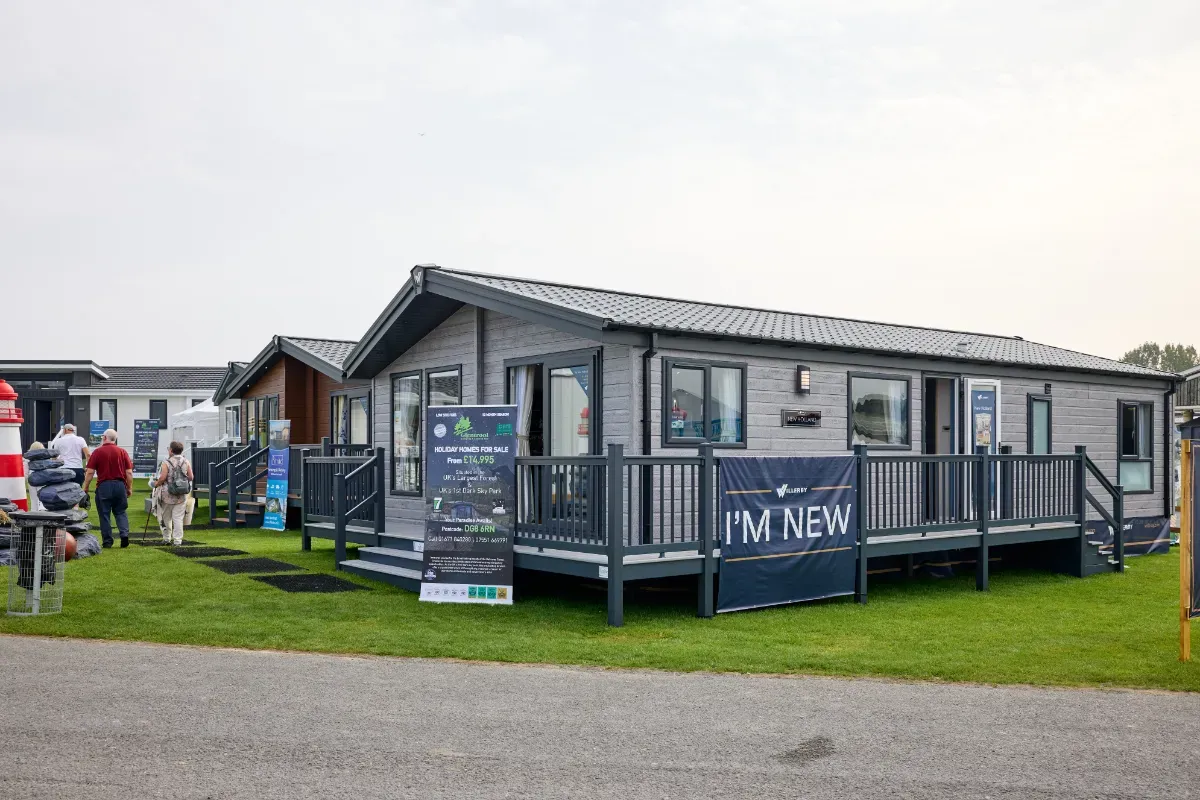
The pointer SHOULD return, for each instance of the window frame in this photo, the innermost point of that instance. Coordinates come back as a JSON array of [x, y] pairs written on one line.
[[1145, 417], [428, 386], [392, 377], [667, 438], [351, 393], [1029, 401], [881, 376], [100, 410], [234, 432], [162, 421], [594, 358]]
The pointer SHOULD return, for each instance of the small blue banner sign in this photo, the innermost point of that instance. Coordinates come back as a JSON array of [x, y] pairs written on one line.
[[279, 456], [96, 429], [471, 504], [145, 446], [789, 530], [983, 417]]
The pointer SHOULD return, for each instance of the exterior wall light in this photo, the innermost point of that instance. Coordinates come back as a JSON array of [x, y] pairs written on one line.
[[803, 379]]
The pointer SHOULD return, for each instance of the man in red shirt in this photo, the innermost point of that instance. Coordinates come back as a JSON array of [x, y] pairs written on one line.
[[112, 468]]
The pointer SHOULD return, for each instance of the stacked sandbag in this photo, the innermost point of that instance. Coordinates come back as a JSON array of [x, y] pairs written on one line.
[[58, 491], [60, 496], [86, 544], [45, 477], [7, 538]]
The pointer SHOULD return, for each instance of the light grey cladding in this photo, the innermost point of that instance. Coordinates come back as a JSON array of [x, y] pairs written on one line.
[[771, 387], [505, 337], [1085, 413]]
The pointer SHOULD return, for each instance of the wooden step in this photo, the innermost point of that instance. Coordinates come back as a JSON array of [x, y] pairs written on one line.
[[409, 579]]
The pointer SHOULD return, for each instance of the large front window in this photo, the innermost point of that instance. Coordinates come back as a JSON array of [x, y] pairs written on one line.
[[406, 433], [704, 403], [259, 412], [879, 410], [1135, 469]]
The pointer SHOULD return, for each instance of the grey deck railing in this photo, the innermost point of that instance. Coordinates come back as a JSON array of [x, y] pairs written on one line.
[[658, 505], [345, 490]]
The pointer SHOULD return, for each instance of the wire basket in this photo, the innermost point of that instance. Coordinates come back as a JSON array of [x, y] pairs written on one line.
[[35, 578]]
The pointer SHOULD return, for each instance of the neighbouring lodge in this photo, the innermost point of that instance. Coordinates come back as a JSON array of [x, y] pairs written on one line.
[[971, 447], [52, 393]]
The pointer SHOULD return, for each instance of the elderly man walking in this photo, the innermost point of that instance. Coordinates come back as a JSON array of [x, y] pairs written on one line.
[[72, 450], [112, 468]]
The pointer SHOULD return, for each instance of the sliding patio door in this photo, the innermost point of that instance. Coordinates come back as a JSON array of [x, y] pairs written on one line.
[[557, 399]]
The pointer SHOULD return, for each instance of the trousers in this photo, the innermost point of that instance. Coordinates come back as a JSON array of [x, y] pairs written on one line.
[[110, 498], [172, 517]]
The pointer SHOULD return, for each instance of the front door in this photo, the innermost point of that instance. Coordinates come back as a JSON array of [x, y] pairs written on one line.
[[940, 478]]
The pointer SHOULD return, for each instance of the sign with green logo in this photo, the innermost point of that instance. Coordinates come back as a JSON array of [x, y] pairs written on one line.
[[470, 504]]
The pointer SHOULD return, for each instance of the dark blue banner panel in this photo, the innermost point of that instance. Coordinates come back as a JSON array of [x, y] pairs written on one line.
[[1143, 535], [789, 530], [1194, 611]]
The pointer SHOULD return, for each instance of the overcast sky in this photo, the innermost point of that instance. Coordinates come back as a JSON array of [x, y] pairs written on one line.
[[180, 181]]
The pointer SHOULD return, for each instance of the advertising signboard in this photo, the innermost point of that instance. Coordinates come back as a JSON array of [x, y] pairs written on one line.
[[789, 530], [145, 446], [278, 461], [470, 504]]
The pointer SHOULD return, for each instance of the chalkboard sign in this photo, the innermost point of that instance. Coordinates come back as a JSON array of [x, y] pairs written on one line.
[[795, 418], [145, 446]]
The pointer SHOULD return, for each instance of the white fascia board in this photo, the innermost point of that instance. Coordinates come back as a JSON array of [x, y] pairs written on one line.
[[153, 394]]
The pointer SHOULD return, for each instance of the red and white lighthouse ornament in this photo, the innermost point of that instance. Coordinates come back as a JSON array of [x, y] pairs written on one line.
[[12, 468]]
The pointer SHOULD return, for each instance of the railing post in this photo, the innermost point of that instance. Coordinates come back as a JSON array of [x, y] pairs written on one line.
[[305, 539], [380, 493], [1006, 483], [326, 449], [212, 494], [1119, 533], [983, 496], [234, 493], [614, 467], [705, 534], [1081, 504], [339, 519], [860, 466]]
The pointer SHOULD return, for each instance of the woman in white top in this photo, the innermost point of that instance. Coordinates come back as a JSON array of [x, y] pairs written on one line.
[[174, 505]]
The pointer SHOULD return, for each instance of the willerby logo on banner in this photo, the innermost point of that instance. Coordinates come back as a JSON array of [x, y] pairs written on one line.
[[789, 530]]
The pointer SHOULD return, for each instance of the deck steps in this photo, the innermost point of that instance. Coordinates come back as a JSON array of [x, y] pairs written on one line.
[[402, 577]]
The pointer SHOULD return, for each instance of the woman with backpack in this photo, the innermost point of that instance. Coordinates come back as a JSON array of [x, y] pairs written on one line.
[[175, 477]]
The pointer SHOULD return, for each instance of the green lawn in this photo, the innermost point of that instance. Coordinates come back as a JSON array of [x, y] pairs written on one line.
[[1109, 630]]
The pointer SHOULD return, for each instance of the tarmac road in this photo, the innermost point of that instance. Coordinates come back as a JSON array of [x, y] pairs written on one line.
[[96, 720]]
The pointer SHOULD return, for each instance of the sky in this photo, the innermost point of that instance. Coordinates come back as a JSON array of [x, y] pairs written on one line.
[[181, 181]]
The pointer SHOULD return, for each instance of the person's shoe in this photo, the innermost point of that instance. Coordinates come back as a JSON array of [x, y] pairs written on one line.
[[124, 541], [109, 543]]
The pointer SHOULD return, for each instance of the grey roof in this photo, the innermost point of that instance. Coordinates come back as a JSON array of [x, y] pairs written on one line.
[[331, 351], [202, 380], [616, 309]]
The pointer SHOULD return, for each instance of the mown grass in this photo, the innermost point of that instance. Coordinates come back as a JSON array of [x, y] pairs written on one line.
[[1037, 628]]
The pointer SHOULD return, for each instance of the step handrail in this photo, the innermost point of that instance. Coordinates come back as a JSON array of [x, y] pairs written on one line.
[[1116, 519], [372, 466]]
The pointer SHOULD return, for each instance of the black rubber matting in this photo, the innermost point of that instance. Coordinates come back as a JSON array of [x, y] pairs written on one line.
[[243, 566], [205, 552], [161, 543], [309, 583]]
